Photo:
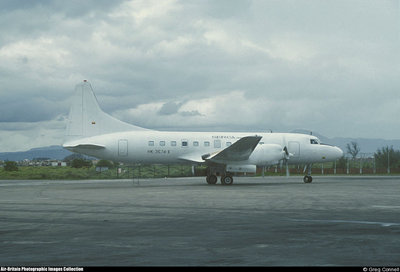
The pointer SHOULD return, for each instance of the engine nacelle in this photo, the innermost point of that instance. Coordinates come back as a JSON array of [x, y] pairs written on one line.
[[267, 154]]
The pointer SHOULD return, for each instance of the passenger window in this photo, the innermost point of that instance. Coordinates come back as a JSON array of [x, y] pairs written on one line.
[[185, 143], [228, 143], [173, 143], [206, 144], [217, 143], [151, 143], [195, 143], [162, 143]]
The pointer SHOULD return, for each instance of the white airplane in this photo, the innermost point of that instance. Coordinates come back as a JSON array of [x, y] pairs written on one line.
[[92, 132]]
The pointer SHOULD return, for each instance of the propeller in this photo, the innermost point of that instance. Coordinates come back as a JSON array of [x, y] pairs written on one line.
[[286, 152], [286, 156]]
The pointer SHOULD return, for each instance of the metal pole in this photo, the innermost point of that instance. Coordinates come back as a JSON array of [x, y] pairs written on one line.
[[374, 165], [334, 171]]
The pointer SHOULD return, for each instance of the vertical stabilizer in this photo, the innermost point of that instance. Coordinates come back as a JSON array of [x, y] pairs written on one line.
[[86, 118]]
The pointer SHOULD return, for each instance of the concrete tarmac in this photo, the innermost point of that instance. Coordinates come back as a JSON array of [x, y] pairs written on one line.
[[272, 221]]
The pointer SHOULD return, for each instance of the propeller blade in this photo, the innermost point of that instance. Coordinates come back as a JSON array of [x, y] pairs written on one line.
[[287, 154], [286, 151]]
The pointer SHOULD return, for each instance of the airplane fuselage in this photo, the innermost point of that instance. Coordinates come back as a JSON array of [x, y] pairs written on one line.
[[162, 147]]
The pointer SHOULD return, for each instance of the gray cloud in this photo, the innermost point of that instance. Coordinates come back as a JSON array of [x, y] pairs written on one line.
[[190, 113], [330, 67], [169, 108]]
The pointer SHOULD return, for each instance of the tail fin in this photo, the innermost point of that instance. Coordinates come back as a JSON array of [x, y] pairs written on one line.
[[86, 118]]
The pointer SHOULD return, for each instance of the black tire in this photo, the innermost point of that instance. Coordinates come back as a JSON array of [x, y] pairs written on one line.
[[212, 179], [307, 179], [226, 180]]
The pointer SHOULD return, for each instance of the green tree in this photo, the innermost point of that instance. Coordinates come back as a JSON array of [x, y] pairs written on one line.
[[79, 163], [387, 157], [10, 166], [105, 163]]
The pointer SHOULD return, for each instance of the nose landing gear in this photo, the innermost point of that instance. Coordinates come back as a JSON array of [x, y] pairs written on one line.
[[308, 178]]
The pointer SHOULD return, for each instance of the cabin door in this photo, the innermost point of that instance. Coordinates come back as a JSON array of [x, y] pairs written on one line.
[[123, 148], [294, 148]]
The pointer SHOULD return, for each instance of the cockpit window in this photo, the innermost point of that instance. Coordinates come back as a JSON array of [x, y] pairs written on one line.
[[314, 141]]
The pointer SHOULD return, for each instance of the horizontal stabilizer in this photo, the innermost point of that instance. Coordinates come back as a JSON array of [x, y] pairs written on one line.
[[89, 146]]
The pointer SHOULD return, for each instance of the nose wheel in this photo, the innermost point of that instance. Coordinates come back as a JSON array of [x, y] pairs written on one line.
[[307, 179]]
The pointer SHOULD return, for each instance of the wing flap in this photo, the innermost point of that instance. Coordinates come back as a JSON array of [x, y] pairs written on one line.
[[196, 158]]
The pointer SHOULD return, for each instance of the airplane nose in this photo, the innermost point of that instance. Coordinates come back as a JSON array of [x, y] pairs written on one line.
[[339, 152]]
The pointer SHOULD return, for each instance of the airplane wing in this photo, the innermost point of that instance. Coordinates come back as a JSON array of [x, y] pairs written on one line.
[[238, 151]]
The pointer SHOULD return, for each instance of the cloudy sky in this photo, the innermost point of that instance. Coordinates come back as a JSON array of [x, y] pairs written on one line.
[[332, 67]]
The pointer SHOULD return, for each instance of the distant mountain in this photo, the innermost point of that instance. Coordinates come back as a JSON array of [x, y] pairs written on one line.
[[54, 152]]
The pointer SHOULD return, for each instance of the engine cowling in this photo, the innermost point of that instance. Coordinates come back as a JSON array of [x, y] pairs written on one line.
[[267, 154]]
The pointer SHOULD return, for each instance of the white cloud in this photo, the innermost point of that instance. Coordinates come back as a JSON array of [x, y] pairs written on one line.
[[24, 136], [141, 11], [40, 56]]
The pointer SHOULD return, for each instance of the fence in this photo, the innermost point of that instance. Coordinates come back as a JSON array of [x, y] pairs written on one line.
[[322, 169], [161, 171]]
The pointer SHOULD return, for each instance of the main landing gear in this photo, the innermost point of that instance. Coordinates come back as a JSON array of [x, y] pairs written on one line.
[[226, 179], [212, 176], [212, 179]]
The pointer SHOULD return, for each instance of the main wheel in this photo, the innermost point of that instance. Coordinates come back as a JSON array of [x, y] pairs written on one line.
[[212, 179], [226, 180], [307, 179]]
